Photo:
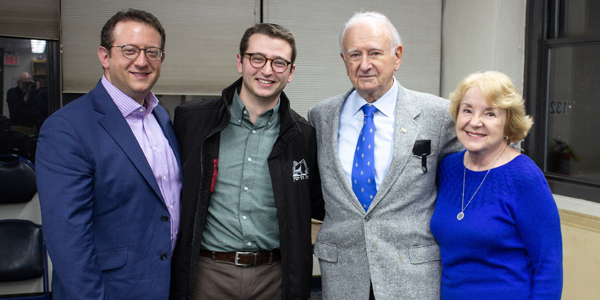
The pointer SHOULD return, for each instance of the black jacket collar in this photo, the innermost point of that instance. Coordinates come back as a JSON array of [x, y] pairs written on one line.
[[287, 119]]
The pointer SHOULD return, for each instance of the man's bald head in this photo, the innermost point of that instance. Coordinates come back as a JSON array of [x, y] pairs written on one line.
[[25, 77], [24, 80]]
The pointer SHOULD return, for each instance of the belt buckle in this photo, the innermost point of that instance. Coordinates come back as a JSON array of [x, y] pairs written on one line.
[[237, 257]]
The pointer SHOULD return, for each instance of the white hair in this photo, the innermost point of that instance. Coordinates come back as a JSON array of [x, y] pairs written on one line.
[[358, 17]]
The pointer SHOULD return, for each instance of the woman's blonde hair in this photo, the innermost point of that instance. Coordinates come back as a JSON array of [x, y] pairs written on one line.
[[500, 92]]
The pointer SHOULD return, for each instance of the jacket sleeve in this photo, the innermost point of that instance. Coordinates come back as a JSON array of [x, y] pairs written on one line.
[[309, 116], [449, 143], [318, 205], [64, 176]]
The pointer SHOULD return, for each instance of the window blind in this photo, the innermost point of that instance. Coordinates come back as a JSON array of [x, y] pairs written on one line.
[[202, 40], [35, 19], [320, 71]]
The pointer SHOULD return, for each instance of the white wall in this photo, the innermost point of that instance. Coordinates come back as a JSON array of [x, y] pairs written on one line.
[[481, 35]]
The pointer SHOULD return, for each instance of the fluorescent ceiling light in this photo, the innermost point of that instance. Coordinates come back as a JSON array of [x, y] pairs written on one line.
[[38, 46]]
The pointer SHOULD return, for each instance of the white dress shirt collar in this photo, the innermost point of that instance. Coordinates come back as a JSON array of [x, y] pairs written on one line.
[[386, 104]]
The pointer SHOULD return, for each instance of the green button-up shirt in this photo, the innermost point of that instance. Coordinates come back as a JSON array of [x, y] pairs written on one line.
[[242, 215]]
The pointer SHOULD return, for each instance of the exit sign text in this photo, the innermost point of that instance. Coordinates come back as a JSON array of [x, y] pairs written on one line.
[[11, 59]]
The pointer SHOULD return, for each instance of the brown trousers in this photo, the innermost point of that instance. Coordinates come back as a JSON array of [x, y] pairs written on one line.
[[221, 280]]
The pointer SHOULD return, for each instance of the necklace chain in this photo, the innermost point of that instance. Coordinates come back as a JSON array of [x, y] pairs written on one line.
[[461, 214]]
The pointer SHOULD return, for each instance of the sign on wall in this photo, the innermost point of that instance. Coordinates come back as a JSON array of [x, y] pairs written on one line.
[[11, 59]]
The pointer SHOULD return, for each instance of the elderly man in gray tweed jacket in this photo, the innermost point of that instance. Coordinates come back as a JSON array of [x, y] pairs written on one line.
[[378, 173]]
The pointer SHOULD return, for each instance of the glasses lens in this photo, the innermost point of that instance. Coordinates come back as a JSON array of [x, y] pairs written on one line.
[[280, 65], [257, 60], [153, 53], [131, 51]]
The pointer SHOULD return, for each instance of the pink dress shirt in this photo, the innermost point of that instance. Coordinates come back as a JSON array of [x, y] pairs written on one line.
[[155, 146]]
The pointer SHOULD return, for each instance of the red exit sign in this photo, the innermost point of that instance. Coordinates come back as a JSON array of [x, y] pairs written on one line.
[[11, 59]]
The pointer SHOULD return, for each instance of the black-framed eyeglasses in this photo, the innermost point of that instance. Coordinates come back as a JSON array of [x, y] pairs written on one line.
[[133, 51], [258, 61]]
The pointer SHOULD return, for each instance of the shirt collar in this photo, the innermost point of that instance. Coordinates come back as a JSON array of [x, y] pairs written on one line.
[[237, 108], [268, 118], [126, 104], [386, 104]]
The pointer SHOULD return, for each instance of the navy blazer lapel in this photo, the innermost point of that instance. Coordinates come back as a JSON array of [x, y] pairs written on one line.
[[115, 124]]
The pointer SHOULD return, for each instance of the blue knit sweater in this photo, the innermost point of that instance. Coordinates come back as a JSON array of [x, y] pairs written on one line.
[[508, 246]]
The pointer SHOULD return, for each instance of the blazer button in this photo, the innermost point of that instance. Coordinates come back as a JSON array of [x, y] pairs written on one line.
[[163, 256], [367, 218], [164, 218]]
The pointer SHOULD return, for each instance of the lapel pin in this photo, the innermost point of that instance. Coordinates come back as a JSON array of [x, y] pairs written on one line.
[[403, 130]]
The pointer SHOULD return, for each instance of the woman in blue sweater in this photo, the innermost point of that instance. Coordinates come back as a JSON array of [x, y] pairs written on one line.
[[495, 219]]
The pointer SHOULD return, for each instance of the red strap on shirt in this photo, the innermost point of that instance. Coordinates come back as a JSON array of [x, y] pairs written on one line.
[[214, 177]]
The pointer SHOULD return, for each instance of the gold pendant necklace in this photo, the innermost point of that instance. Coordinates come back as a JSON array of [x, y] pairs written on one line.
[[461, 214]]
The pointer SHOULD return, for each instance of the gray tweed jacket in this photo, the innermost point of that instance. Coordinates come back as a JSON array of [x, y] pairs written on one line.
[[390, 244]]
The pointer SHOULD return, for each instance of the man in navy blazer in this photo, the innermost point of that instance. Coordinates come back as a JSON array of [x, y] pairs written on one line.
[[108, 174]]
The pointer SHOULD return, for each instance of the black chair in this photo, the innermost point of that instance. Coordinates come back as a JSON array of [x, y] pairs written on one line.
[[17, 179], [14, 142], [23, 256]]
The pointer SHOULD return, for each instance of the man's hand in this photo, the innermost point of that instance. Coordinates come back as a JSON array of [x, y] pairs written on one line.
[[31, 86]]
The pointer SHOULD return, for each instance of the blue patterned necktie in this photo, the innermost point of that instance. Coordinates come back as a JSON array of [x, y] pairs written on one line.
[[363, 168]]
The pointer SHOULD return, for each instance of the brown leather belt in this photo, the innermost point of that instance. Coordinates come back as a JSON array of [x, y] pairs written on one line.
[[243, 259]]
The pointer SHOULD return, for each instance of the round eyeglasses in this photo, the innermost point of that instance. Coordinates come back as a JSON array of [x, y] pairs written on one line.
[[133, 51], [258, 61]]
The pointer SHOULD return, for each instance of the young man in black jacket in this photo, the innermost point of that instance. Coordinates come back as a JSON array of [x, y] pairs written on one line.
[[251, 183]]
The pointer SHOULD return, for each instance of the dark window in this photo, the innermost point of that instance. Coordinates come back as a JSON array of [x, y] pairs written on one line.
[[578, 18], [562, 89]]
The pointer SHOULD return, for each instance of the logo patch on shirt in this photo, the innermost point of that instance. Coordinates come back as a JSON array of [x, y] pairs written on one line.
[[300, 170]]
